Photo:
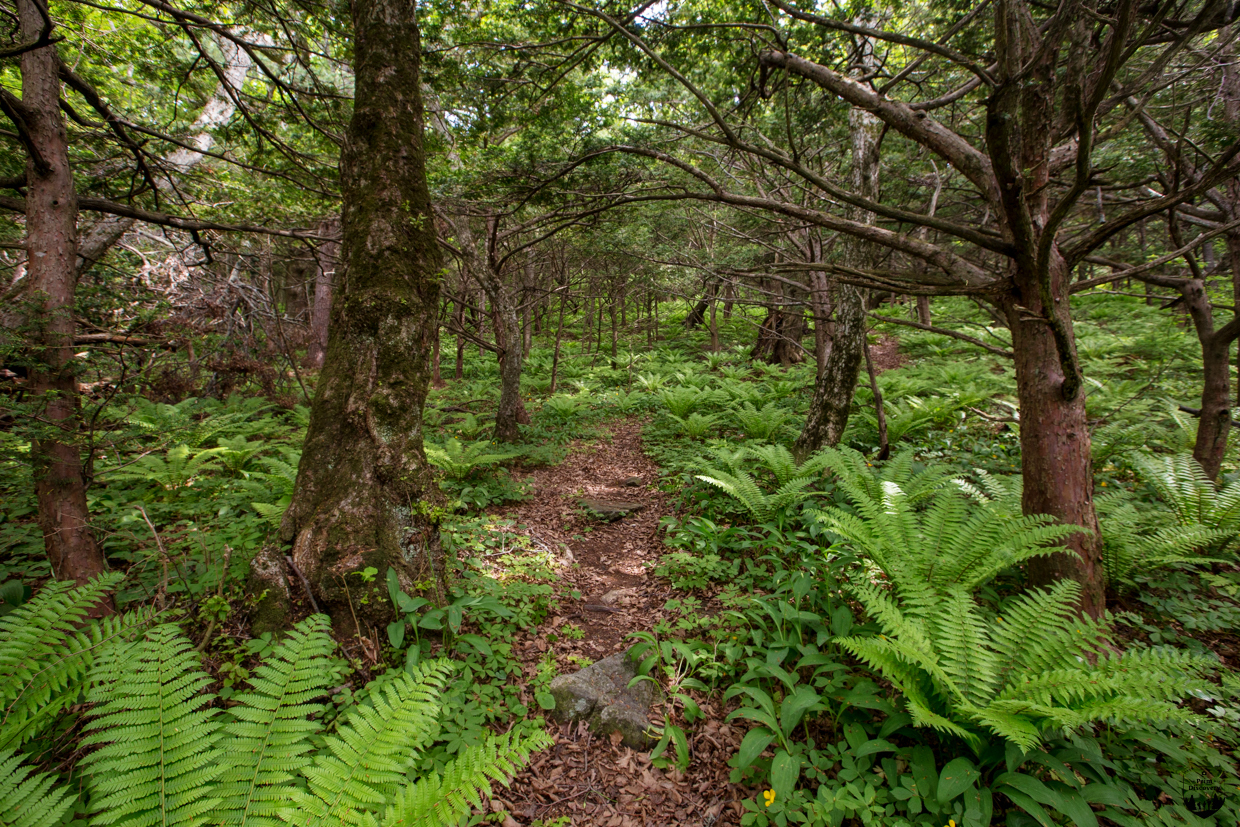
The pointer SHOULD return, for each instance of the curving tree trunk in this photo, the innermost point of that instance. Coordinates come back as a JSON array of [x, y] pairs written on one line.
[[364, 495]]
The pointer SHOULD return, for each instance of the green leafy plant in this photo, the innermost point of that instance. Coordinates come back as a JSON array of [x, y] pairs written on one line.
[[682, 401], [742, 487], [696, 425], [962, 670], [761, 423], [1130, 544], [175, 470], [164, 756], [459, 460], [1180, 483], [565, 408]]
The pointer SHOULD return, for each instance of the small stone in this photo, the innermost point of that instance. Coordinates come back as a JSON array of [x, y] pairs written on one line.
[[632, 482], [617, 597]]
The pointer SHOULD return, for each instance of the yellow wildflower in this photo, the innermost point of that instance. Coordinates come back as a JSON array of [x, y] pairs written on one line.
[[769, 797]]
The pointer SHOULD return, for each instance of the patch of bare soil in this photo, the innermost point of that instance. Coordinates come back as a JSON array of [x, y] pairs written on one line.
[[594, 781], [886, 354]]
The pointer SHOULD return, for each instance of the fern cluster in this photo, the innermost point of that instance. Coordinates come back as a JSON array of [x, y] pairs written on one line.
[[966, 670], [460, 459], [163, 755]]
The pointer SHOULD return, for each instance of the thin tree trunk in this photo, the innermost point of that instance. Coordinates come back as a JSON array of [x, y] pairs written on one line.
[[884, 449], [923, 310], [364, 490], [555, 359], [326, 258], [51, 244], [511, 410], [833, 392]]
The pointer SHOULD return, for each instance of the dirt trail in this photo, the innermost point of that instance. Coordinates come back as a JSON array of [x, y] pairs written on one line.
[[592, 780]]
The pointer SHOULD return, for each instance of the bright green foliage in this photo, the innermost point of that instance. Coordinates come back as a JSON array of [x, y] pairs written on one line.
[[762, 506], [682, 401], [779, 461], [961, 668], [44, 657], [1179, 481], [27, 798], [565, 408], [1130, 544], [696, 425], [171, 472], [274, 486], [458, 459], [159, 750], [166, 757], [446, 798], [266, 746], [863, 483], [761, 423]]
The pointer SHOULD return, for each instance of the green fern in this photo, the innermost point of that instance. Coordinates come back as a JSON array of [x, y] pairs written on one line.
[[27, 798], [1129, 544], [274, 486], [862, 482], [45, 657], [166, 757], [1179, 481], [760, 505], [446, 799], [459, 460], [158, 742], [962, 669], [176, 469], [696, 425], [761, 423], [682, 401], [269, 738]]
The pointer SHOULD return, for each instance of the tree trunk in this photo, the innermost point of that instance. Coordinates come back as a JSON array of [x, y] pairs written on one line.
[[51, 245], [923, 310], [326, 258], [364, 494], [1055, 457], [837, 381], [459, 370], [511, 411]]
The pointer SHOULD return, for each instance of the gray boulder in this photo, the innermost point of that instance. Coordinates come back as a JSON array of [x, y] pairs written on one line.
[[600, 694]]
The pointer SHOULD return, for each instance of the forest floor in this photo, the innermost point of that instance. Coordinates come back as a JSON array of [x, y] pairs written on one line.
[[592, 780]]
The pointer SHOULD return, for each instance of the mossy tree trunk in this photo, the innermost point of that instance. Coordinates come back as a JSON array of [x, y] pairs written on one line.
[[365, 496]]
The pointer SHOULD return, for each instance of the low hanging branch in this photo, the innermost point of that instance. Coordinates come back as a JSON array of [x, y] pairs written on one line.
[[943, 331], [18, 205]]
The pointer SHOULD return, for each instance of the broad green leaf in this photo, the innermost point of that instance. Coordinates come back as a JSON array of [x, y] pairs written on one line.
[[752, 744], [956, 777], [785, 770]]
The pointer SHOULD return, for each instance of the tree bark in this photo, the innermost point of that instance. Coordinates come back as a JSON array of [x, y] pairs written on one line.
[[327, 258], [837, 380], [51, 245], [365, 495]]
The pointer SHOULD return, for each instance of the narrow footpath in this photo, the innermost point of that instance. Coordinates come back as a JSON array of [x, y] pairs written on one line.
[[591, 780]]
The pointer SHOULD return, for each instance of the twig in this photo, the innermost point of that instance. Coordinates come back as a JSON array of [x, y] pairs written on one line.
[[306, 585]]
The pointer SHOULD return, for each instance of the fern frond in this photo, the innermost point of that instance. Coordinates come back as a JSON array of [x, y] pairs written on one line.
[[267, 742], [445, 799], [44, 659], [27, 798], [363, 765], [158, 755]]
